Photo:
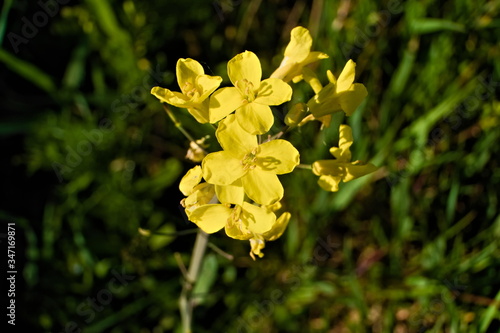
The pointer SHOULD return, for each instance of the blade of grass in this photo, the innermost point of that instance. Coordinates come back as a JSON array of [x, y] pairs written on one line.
[[29, 71]]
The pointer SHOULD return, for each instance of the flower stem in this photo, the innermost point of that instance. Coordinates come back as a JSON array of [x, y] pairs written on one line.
[[178, 124], [186, 303], [304, 166]]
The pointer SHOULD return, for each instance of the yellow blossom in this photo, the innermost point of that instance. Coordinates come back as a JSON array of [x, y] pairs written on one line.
[[339, 95], [197, 194], [332, 172], [244, 162], [195, 87], [250, 96], [297, 55], [240, 219]]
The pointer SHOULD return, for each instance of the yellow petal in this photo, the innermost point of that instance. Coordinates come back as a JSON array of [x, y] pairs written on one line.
[[211, 218], [329, 183], [331, 77], [352, 98], [245, 66], [312, 79], [277, 156], [342, 153], [171, 97], [257, 220], [235, 227], [279, 227], [200, 112], [273, 92], [325, 102], [287, 70], [346, 78], [206, 85], [186, 71], [230, 194], [223, 102], [300, 44], [329, 167], [262, 187], [190, 180], [203, 194], [255, 118], [314, 56], [220, 168], [356, 171], [233, 139]]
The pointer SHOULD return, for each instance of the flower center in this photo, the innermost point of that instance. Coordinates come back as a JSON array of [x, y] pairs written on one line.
[[189, 89], [249, 160], [247, 88]]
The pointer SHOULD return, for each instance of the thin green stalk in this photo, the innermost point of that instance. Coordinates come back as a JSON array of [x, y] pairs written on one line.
[[185, 301], [178, 124]]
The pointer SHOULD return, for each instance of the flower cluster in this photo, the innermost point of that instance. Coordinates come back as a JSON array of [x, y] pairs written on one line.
[[237, 188]]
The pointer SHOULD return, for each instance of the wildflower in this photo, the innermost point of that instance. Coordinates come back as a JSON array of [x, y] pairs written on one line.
[[250, 96], [332, 172], [297, 55], [197, 194], [195, 89], [239, 218], [339, 95], [244, 162]]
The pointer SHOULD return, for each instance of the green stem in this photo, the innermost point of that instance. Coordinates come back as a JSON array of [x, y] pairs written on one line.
[[178, 124], [304, 166], [185, 301]]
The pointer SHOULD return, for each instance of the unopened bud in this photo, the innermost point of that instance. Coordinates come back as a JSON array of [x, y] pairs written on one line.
[[196, 151], [296, 114]]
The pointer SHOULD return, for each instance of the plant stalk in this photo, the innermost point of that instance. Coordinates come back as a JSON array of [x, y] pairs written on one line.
[[186, 304]]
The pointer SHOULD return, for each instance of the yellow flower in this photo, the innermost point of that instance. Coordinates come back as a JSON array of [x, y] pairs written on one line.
[[240, 219], [250, 96], [338, 95], [244, 162], [332, 172], [197, 194], [195, 89], [297, 55]]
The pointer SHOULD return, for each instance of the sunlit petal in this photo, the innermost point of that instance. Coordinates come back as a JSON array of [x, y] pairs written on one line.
[[262, 187], [245, 66], [186, 71], [273, 92], [223, 102], [211, 218], [255, 118], [221, 168], [234, 139], [300, 44], [278, 156]]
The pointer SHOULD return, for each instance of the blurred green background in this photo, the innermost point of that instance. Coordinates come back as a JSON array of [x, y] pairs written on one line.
[[89, 156]]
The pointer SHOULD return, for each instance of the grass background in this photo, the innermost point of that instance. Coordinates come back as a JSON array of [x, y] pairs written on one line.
[[89, 156]]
